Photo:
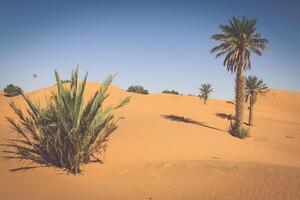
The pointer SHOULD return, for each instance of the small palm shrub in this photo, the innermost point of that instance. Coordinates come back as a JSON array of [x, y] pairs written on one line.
[[171, 92], [66, 133], [242, 133], [12, 90], [137, 89], [205, 90]]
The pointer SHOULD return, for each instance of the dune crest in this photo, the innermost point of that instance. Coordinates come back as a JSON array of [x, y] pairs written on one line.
[[281, 100]]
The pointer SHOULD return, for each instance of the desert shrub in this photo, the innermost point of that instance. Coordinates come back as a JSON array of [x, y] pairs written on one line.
[[137, 89], [66, 133], [244, 132], [12, 90], [171, 92], [64, 81]]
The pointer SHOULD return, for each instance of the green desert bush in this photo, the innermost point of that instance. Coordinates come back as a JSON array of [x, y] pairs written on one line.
[[12, 90], [66, 133], [242, 133], [171, 92], [64, 81], [137, 89]]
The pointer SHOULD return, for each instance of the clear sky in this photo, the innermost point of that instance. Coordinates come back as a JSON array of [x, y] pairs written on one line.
[[157, 44]]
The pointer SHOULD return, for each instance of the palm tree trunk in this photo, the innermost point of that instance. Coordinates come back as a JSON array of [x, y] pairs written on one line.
[[204, 101], [251, 113], [239, 99]]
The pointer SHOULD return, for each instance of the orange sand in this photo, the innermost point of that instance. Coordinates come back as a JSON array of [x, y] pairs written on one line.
[[174, 147]]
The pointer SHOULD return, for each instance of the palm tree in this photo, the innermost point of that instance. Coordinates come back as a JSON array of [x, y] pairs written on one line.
[[254, 87], [238, 40], [205, 91]]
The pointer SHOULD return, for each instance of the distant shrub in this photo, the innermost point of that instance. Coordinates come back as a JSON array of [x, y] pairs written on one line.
[[137, 89], [244, 132], [66, 133], [64, 81], [171, 92], [12, 90]]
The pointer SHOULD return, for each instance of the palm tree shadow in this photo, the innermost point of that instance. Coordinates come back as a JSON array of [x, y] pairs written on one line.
[[189, 121], [229, 117]]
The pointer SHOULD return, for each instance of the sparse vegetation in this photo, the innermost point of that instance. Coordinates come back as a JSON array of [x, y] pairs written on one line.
[[205, 90], [244, 132], [66, 133], [171, 92], [238, 40], [64, 81], [12, 90], [137, 89], [254, 88]]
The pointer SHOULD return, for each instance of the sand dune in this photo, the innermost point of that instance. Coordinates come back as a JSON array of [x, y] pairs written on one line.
[[174, 147], [281, 100]]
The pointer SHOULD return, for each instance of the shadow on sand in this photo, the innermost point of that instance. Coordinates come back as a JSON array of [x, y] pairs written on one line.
[[229, 117], [225, 116], [189, 121], [231, 102]]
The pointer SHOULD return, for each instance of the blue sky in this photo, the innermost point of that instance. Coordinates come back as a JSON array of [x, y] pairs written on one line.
[[157, 44]]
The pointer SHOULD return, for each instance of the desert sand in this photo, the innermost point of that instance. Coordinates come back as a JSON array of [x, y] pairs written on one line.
[[174, 147]]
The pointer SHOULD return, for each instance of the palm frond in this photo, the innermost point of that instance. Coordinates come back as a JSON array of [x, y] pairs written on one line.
[[237, 40]]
